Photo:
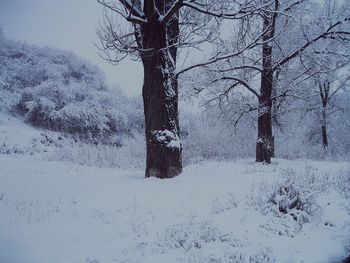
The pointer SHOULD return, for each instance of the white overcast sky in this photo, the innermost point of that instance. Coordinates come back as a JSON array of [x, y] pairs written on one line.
[[69, 25]]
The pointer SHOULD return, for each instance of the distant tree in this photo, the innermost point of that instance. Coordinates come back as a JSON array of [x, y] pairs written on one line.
[[328, 72], [282, 31]]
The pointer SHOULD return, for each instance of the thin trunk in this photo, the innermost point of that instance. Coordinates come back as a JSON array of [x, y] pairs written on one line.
[[274, 111], [324, 137], [160, 97], [324, 93], [324, 129]]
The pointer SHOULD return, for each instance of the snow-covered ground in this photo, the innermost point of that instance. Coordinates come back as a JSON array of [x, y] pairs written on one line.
[[61, 212]]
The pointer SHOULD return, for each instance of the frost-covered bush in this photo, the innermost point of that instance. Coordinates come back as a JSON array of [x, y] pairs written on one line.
[[343, 182], [290, 194], [130, 155], [299, 134], [264, 255], [205, 136], [191, 236], [57, 90], [85, 112], [201, 241]]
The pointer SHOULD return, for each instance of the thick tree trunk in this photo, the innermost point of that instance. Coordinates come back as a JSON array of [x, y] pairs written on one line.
[[161, 124], [264, 144], [160, 97]]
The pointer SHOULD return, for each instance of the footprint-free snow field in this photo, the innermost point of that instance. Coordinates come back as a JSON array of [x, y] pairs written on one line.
[[290, 211]]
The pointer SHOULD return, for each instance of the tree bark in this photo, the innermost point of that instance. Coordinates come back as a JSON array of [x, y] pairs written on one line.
[[324, 129], [324, 136], [324, 93], [160, 96], [264, 144]]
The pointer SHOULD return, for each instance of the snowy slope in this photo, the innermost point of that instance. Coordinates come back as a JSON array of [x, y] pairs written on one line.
[[16, 137], [56, 211]]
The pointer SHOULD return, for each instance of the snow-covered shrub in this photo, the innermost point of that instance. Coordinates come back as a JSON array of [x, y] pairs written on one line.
[[5, 148], [92, 260], [57, 90], [290, 194], [204, 136], [73, 109], [299, 134], [343, 182], [203, 242], [86, 112], [191, 236], [264, 255], [219, 207], [130, 154]]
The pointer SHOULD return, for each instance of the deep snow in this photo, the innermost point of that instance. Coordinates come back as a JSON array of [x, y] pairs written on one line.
[[58, 211]]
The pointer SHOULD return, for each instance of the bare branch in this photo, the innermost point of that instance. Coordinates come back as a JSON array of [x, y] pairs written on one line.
[[327, 34], [134, 15], [243, 83]]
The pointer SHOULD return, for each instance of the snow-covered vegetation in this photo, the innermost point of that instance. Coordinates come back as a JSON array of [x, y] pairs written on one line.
[[57, 90], [68, 201], [75, 150], [52, 210]]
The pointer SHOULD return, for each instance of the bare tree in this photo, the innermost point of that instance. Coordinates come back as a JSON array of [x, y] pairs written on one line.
[[264, 144], [330, 65], [155, 32], [285, 37]]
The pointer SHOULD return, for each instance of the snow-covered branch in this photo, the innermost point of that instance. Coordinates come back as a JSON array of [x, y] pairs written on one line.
[[131, 12]]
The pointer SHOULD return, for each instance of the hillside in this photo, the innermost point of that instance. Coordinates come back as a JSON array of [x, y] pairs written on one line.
[[56, 90]]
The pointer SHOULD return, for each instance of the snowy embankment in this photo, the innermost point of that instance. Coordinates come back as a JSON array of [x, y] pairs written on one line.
[[58, 211]]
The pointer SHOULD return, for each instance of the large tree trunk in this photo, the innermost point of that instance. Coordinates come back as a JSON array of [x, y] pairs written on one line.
[[160, 97], [264, 144]]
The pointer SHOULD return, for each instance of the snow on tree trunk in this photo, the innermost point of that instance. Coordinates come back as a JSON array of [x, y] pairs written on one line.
[[160, 96], [264, 144], [324, 128]]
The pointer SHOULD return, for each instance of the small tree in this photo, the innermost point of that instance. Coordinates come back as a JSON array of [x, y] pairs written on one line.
[[330, 76]]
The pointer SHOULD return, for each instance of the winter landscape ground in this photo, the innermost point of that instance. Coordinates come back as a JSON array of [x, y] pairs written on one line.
[[60, 211], [188, 131]]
